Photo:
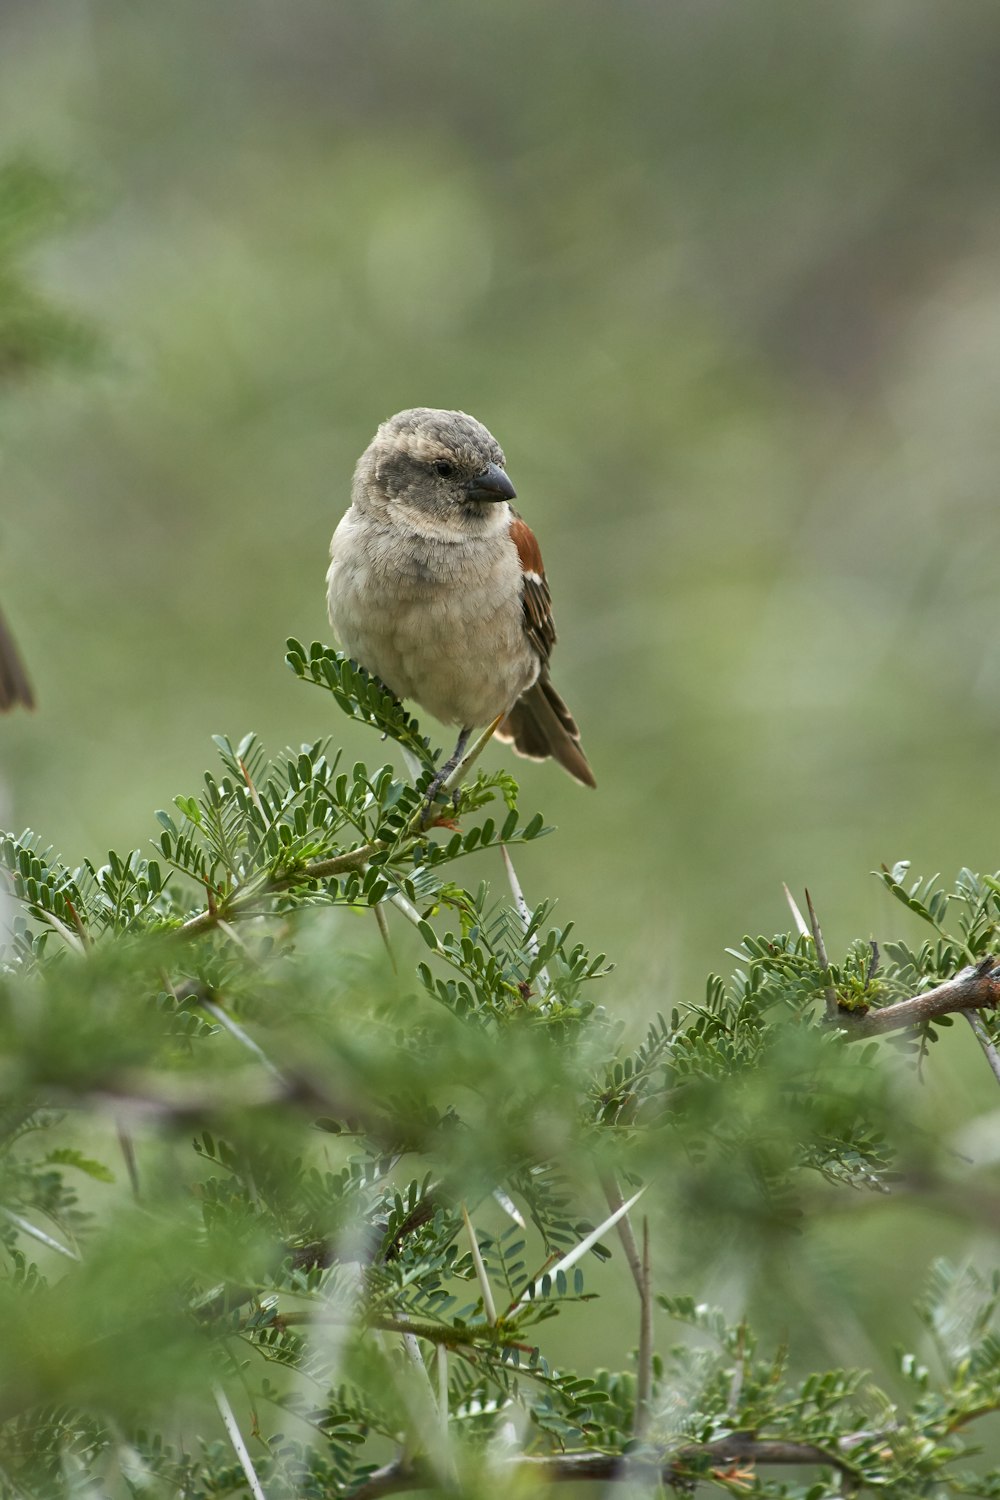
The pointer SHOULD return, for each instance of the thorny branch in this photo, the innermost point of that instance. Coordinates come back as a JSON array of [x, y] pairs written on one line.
[[974, 988], [247, 903], [685, 1464], [480, 1336], [640, 1268], [817, 936], [985, 1041]]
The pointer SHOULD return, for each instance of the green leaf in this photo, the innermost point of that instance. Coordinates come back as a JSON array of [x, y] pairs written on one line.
[[67, 1156], [428, 934]]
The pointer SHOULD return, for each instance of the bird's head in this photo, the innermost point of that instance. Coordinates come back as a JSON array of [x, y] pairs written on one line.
[[441, 472]]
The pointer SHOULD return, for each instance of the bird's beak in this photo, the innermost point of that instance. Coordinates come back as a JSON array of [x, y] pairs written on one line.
[[491, 484]]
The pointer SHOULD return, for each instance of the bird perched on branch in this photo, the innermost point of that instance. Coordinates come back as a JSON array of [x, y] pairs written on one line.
[[14, 685], [436, 586]]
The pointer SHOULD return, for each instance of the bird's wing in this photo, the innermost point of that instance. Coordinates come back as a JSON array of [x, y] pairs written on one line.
[[536, 600], [14, 684]]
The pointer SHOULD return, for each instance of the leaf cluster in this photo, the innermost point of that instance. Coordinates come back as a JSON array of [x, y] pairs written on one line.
[[245, 1149]]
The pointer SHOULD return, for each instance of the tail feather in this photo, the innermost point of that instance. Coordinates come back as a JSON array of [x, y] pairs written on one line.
[[14, 684], [541, 725]]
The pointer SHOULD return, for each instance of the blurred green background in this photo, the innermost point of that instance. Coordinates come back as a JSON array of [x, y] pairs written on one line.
[[723, 279], [725, 282]]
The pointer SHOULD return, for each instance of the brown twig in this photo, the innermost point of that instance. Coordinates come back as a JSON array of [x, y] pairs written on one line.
[[434, 1333], [317, 869], [644, 1381], [974, 988], [686, 1463], [985, 1041], [180, 1103], [127, 1147], [324, 869], [639, 1266], [383, 927], [613, 1195], [817, 932]]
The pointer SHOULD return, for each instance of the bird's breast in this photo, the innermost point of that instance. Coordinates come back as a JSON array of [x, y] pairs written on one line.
[[438, 622]]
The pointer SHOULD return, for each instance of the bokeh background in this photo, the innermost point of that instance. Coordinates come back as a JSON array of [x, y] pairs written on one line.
[[723, 279]]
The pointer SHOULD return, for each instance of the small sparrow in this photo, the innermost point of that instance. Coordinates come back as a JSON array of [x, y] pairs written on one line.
[[14, 685], [437, 587]]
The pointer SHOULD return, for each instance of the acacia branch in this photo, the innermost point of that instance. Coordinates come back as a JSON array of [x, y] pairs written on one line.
[[644, 1383], [615, 1201], [245, 904], [639, 1266], [974, 988], [985, 1041], [817, 936], [485, 1336], [241, 905], [685, 1464]]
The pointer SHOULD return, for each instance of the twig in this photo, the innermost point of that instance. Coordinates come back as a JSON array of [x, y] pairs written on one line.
[[323, 869], [962, 1198], [817, 933], [579, 1250], [412, 1349], [417, 823], [425, 1415], [383, 928], [873, 962], [640, 1268], [236, 1030], [179, 1102], [432, 1333], [739, 1373], [243, 905], [246, 903], [442, 1393], [127, 1146], [26, 1227], [644, 1382], [613, 1194], [509, 1207], [236, 1438], [69, 937], [489, 1307], [974, 988], [253, 791], [797, 917], [544, 983], [683, 1465], [985, 1041], [85, 938], [408, 909], [229, 931]]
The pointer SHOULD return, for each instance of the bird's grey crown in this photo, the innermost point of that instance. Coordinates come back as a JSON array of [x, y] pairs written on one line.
[[427, 432]]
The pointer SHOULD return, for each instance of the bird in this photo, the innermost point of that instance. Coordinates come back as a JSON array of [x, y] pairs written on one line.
[[436, 586], [14, 685]]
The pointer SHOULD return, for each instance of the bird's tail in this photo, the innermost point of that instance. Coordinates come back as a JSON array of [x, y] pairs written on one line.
[[14, 685], [541, 725]]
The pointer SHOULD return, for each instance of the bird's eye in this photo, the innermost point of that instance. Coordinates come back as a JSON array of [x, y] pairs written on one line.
[[444, 468]]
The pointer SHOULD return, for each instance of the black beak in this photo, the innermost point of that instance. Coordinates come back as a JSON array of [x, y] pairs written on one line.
[[491, 484]]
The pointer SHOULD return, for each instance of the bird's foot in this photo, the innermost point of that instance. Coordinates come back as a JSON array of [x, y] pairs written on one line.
[[442, 776]]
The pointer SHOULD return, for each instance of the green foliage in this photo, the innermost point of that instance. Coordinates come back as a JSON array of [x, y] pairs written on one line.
[[240, 1143], [361, 696]]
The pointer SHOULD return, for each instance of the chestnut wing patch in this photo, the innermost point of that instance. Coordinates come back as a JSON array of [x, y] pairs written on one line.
[[535, 597]]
